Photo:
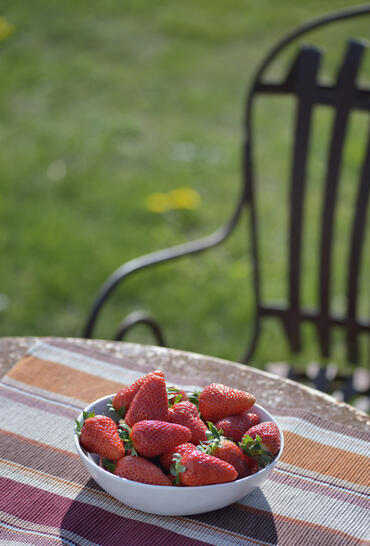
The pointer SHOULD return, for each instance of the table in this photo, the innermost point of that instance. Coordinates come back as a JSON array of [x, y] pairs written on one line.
[[46, 496], [269, 389]]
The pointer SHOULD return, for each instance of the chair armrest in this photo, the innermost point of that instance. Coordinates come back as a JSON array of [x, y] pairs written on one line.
[[154, 258]]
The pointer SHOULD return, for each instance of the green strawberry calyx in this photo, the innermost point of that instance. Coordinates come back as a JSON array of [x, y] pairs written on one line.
[[255, 449], [108, 465], [194, 397], [176, 468], [173, 396], [124, 433], [214, 439], [79, 424], [120, 413]]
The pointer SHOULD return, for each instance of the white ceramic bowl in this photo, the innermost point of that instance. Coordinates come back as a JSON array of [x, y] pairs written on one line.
[[172, 501]]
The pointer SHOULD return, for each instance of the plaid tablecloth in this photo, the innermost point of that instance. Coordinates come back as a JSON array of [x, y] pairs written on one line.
[[318, 494]]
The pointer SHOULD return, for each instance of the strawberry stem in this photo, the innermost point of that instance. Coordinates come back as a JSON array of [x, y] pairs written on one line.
[[176, 468], [124, 433]]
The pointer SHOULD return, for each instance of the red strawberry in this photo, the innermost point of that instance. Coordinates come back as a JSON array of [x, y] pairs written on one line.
[[126, 395], [141, 470], [150, 402], [226, 450], [251, 464], [176, 395], [186, 414], [185, 408], [196, 468], [99, 434], [152, 438], [217, 401], [165, 459], [269, 434], [234, 426], [233, 454]]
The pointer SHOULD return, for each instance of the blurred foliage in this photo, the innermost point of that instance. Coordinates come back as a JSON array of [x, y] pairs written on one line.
[[104, 105]]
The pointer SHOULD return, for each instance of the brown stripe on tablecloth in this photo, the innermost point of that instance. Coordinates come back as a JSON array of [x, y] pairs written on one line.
[[305, 453], [264, 526], [41, 457], [61, 379], [322, 423], [90, 522], [45, 405], [320, 488]]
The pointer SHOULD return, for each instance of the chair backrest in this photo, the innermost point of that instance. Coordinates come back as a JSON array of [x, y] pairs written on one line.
[[344, 96]]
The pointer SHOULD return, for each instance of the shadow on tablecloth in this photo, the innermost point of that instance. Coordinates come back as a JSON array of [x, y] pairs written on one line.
[[112, 523]]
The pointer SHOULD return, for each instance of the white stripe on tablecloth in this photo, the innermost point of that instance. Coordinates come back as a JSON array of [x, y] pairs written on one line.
[[37, 424]]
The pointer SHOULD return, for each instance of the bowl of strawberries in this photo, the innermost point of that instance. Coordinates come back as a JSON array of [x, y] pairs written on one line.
[[161, 450]]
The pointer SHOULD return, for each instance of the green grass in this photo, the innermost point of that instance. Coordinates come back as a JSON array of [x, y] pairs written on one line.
[[103, 103]]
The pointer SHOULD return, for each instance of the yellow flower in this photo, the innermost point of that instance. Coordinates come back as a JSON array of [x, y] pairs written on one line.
[[181, 198], [185, 198], [6, 28], [158, 202]]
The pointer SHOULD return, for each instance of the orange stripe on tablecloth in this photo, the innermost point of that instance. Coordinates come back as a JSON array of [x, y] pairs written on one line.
[[61, 379], [332, 461]]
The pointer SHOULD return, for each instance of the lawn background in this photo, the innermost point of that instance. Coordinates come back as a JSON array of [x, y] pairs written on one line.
[[103, 103]]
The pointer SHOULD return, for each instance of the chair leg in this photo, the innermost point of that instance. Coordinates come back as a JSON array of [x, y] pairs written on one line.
[[253, 344]]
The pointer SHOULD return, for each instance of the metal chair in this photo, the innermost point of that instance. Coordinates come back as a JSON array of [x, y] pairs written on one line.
[[344, 97]]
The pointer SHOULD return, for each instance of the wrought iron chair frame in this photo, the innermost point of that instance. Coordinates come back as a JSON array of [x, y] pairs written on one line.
[[343, 96]]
